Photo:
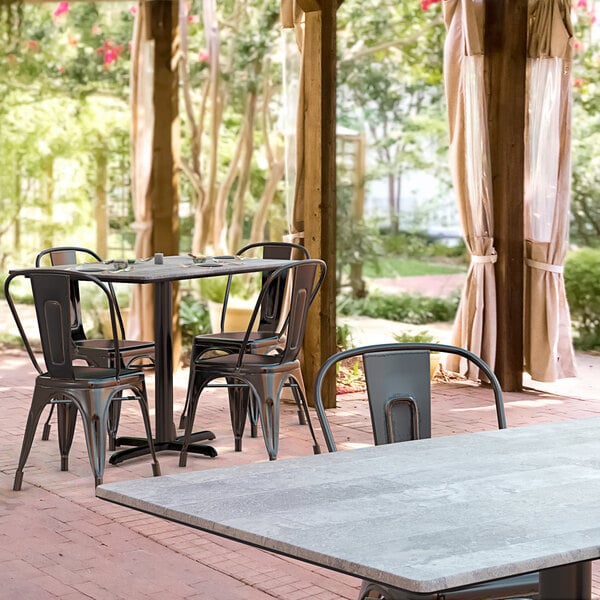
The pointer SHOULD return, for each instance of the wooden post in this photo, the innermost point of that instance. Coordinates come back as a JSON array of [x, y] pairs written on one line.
[[505, 49], [164, 190], [319, 184]]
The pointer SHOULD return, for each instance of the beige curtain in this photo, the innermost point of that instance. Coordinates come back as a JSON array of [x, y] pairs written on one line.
[[140, 325], [292, 16], [475, 323], [548, 351]]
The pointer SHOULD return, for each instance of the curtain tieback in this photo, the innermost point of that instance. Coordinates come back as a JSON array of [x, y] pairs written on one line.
[[544, 266], [485, 258]]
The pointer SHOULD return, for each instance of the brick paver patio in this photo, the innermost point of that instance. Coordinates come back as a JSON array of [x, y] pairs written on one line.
[[58, 541]]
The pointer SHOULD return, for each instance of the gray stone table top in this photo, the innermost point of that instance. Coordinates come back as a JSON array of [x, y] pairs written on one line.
[[173, 268], [423, 516]]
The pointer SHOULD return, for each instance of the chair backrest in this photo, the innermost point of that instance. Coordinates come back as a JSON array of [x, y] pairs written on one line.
[[73, 255], [51, 290], [398, 388], [275, 305], [305, 278], [66, 255]]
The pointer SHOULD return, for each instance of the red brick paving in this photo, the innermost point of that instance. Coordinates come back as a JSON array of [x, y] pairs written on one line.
[[58, 541]]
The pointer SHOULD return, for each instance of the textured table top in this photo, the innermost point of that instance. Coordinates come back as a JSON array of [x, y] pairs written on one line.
[[423, 516], [173, 268]]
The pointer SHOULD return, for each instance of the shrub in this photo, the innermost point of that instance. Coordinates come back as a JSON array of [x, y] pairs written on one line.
[[343, 337], [407, 308], [193, 319], [419, 336], [582, 284]]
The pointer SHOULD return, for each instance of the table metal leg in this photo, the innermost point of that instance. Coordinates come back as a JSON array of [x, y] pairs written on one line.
[[569, 582], [164, 431]]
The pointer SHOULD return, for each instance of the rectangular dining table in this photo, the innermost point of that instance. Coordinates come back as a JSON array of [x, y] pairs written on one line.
[[162, 276], [422, 516]]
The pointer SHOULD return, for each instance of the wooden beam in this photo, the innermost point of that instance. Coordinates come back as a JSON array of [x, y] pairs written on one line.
[[320, 185], [164, 183], [310, 5], [505, 49]]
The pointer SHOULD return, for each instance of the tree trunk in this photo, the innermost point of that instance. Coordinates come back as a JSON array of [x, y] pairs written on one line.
[[101, 213]]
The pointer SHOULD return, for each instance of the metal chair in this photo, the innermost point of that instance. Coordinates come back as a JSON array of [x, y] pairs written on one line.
[[269, 333], [99, 352], [398, 390], [263, 375], [87, 389]]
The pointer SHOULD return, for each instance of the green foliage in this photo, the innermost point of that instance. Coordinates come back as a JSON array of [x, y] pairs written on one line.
[[390, 83], [343, 337], [64, 112], [392, 266], [193, 319], [406, 308], [582, 284], [419, 336], [585, 198]]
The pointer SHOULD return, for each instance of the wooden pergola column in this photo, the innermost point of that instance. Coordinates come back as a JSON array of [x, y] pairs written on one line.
[[164, 179], [505, 50], [320, 181]]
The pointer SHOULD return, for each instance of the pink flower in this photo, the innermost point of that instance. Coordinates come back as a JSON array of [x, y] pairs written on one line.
[[33, 46], [110, 52], [578, 82], [577, 45], [203, 56], [133, 10], [96, 30], [193, 18], [426, 4], [60, 10], [582, 4]]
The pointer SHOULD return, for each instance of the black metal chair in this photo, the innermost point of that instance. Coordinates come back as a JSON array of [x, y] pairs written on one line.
[[99, 352], [398, 390], [270, 330], [88, 389], [263, 375]]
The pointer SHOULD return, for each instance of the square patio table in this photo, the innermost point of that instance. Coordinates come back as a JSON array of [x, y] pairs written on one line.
[[422, 516]]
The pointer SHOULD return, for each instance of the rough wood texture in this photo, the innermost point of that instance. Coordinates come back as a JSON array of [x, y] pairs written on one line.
[[505, 48], [319, 186], [164, 186]]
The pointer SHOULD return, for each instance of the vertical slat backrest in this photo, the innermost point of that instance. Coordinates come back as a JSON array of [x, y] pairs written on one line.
[[275, 306], [52, 300], [306, 280]]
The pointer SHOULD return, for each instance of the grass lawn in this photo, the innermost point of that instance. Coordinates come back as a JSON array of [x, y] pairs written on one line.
[[408, 267]]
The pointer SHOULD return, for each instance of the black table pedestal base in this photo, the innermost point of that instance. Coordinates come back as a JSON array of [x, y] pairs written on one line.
[[141, 448]]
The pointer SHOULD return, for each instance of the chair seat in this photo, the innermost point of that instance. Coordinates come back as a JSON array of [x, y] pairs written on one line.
[[94, 376], [107, 345], [229, 337], [229, 363]]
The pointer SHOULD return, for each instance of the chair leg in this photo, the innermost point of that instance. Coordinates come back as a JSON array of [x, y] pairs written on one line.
[[186, 406], [143, 401], [267, 389], [114, 416], [239, 398], [299, 386], [253, 416], [67, 417], [95, 426], [46, 430], [195, 388], [38, 403], [300, 398]]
